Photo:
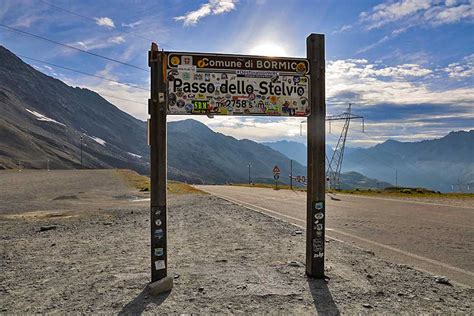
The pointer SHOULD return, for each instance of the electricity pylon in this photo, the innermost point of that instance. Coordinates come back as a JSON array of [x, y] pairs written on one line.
[[334, 166], [333, 171]]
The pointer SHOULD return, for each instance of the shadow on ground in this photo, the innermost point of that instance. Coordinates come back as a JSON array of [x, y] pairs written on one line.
[[139, 303], [322, 298]]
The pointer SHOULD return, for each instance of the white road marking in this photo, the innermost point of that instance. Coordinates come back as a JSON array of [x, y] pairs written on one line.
[[406, 201], [406, 253]]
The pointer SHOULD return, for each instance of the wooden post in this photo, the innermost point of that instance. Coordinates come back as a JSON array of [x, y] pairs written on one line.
[[315, 214], [158, 214]]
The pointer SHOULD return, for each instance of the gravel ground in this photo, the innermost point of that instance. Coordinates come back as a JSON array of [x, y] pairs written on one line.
[[224, 258]]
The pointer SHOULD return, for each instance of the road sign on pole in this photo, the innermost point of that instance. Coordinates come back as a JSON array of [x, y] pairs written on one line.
[[208, 84]]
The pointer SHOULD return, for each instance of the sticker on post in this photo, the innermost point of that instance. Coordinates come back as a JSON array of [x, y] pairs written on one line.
[[158, 233], [319, 215], [160, 265], [319, 227], [319, 205], [159, 252], [318, 255]]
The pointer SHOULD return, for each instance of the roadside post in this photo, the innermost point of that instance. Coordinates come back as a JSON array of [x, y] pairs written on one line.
[[161, 282], [315, 205], [185, 83], [291, 174], [276, 176]]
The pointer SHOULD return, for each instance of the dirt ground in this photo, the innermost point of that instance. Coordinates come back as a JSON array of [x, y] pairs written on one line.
[[224, 258]]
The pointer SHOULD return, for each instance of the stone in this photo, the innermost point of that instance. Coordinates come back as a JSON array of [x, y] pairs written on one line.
[[367, 305], [47, 227], [161, 286], [442, 280]]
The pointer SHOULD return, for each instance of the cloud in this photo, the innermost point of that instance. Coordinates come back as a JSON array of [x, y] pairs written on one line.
[[375, 84], [343, 29], [462, 70], [132, 25], [105, 21], [447, 15], [416, 12], [116, 40], [98, 42], [213, 7]]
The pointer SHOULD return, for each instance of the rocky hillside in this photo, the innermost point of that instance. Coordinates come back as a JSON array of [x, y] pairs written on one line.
[[42, 118]]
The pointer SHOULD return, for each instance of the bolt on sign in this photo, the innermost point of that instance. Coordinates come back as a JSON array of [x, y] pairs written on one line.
[[213, 84]]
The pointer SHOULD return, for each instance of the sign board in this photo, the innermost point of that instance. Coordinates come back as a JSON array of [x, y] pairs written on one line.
[[276, 176], [213, 84], [276, 169], [300, 179], [216, 84]]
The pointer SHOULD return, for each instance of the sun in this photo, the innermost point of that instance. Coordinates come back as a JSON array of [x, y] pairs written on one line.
[[268, 49]]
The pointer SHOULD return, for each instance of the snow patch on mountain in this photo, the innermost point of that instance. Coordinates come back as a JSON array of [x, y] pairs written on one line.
[[44, 118], [134, 155], [98, 140]]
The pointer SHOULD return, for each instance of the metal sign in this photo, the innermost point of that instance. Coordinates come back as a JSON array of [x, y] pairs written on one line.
[[237, 85], [276, 169], [197, 84], [276, 176], [299, 179]]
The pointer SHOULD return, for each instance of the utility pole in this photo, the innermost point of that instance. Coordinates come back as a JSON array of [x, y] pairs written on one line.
[[334, 166], [81, 151], [291, 174], [396, 178], [249, 173]]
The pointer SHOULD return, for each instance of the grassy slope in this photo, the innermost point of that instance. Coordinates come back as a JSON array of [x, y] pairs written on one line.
[[142, 183]]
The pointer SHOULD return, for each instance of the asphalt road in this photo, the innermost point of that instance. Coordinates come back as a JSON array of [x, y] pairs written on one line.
[[433, 237]]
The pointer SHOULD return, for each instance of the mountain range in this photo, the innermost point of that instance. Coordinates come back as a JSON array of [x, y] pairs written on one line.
[[43, 120], [443, 164]]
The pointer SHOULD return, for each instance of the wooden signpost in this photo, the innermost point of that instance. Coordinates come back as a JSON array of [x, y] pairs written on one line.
[[216, 84]]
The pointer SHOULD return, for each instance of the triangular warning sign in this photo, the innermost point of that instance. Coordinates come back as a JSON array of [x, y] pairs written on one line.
[[276, 169]]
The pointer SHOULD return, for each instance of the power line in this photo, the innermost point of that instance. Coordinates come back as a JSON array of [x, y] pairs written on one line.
[[121, 30], [123, 99], [71, 47], [85, 73]]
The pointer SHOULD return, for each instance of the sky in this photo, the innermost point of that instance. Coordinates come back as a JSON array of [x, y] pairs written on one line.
[[407, 66]]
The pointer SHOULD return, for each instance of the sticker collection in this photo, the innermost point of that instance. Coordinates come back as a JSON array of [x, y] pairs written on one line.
[[194, 90], [158, 239], [318, 240]]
